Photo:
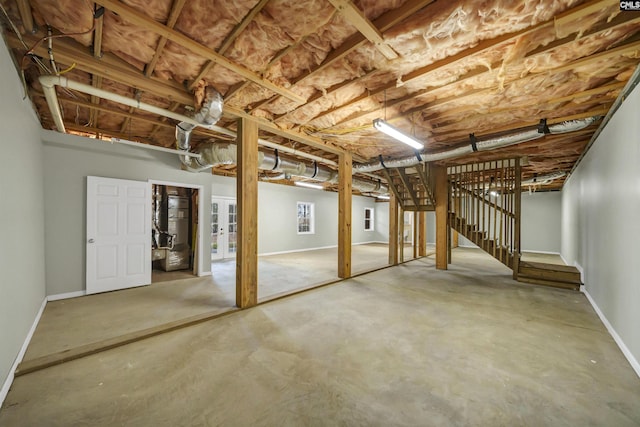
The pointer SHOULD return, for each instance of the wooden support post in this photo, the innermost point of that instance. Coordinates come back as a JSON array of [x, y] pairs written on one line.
[[393, 230], [247, 194], [517, 196], [414, 228], [345, 164], [422, 233], [401, 235], [442, 226]]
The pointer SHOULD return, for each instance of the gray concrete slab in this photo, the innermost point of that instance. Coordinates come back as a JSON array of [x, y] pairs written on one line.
[[404, 346]]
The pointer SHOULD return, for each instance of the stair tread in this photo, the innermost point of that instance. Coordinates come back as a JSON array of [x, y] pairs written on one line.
[[549, 267], [553, 283]]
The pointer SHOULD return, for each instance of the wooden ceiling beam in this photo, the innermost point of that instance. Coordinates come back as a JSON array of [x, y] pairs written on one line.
[[144, 21], [176, 9], [530, 103], [114, 70], [228, 41], [26, 16], [627, 19], [383, 23], [358, 19], [96, 81], [595, 111], [109, 67]]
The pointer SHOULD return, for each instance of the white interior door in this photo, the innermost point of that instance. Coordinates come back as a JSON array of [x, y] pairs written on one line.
[[224, 228], [118, 234]]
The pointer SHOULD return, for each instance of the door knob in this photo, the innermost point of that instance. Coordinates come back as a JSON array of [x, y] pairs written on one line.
[[91, 241]]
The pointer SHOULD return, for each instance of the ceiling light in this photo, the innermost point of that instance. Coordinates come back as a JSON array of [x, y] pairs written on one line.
[[309, 185], [383, 197], [385, 127]]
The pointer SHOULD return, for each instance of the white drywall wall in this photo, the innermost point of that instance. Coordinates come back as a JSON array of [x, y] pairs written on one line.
[[601, 222], [22, 288], [69, 160], [541, 221]]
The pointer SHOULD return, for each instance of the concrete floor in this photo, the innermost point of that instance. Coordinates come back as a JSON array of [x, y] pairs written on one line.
[[407, 345], [67, 324]]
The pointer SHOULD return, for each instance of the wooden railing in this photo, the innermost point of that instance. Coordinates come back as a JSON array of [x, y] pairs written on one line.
[[484, 206]]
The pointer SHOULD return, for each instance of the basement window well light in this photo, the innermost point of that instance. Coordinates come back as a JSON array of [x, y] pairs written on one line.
[[305, 218], [393, 132]]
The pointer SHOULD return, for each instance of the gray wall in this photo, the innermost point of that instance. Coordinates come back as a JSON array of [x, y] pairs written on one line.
[[601, 222], [277, 218], [69, 160], [541, 221], [22, 289]]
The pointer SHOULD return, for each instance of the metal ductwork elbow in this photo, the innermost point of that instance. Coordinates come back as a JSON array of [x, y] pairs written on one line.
[[207, 115]]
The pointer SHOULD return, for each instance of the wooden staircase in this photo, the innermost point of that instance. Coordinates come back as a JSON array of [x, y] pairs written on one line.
[[412, 187], [484, 207]]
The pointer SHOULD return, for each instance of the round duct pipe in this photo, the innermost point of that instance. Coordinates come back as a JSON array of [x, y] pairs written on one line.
[[490, 144]]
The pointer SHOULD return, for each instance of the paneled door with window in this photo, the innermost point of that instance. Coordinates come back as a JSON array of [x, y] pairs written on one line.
[[224, 228]]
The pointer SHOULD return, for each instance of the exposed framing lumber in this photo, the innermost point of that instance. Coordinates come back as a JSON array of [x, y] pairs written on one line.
[[409, 186], [176, 9], [96, 81], [464, 133], [24, 9], [516, 228], [357, 18], [382, 24], [422, 233], [135, 17], [469, 108], [115, 69], [442, 220], [401, 235], [247, 200], [393, 188], [228, 41], [484, 46], [345, 165], [393, 230]]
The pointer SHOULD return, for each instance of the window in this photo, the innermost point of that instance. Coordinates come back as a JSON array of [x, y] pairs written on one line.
[[368, 219], [305, 218]]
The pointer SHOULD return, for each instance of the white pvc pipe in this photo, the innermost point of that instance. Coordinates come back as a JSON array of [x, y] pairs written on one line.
[[49, 82]]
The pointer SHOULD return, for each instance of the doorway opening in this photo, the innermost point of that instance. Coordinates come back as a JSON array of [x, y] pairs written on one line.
[[224, 228], [174, 232]]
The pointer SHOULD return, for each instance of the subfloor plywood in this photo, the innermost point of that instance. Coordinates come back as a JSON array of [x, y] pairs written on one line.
[[404, 346]]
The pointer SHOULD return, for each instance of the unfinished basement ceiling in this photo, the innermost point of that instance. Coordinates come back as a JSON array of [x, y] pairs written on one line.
[[316, 73]]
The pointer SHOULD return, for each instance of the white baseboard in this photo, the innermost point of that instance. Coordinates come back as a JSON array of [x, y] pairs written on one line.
[[204, 273], [564, 260], [542, 252], [632, 360], [67, 295], [9, 380]]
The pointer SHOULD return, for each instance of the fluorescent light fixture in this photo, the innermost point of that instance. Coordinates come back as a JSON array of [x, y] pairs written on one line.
[[383, 197], [309, 185], [385, 127]]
